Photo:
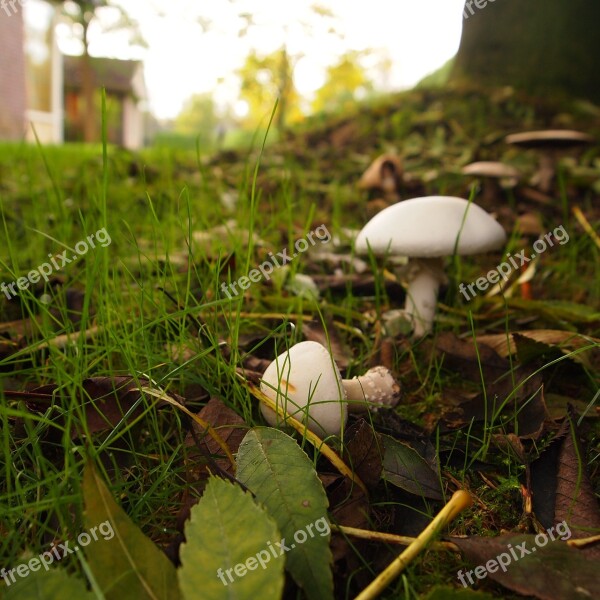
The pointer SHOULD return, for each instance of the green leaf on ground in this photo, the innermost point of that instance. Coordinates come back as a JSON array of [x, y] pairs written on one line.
[[405, 468], [279, 473], [48, 585], [128, 565], [228, 550]]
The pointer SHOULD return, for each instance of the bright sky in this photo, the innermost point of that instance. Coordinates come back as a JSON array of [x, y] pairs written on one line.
[[183, 58]]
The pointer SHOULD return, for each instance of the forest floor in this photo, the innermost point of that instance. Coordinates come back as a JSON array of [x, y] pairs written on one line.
[[130, 328]]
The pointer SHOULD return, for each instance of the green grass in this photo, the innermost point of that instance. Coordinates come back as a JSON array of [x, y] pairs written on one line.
[[156, 288]]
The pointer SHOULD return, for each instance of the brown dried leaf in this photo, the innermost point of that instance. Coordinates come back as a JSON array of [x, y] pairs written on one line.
[[576, 502], [227, 423], [106, 401], [462, 356], [363, 452], [552, 571], [522, 396], [566, 341]]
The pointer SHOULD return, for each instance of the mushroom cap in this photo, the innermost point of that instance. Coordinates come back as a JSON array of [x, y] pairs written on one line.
[[429, 227], [306, 374], [497, 170], [549, 138], [372, 178]]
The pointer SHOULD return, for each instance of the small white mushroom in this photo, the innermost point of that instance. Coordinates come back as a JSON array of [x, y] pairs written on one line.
[[429, 228], [307, 384]]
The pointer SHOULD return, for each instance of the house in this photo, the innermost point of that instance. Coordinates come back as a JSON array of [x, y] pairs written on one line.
[[38, 85], [123, 81], [12, 77]]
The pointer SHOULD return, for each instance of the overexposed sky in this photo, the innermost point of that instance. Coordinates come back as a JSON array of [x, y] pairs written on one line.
[[194, 45]]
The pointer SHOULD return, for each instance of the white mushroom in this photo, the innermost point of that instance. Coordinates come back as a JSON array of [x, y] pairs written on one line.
[[307, 384], [428, 229]]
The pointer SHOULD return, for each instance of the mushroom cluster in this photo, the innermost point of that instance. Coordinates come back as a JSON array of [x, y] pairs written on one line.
[[306, 383], [425, 230]]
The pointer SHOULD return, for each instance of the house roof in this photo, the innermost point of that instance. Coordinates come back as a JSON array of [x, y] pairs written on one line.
[[117, 76]]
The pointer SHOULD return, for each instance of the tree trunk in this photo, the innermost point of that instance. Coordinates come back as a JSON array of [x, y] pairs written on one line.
[[538, 46], [285, 83]]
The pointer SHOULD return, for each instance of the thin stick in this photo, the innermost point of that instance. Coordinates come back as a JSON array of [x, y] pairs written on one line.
[[459, 501], [586, 225], [392, 538], [583, 542]]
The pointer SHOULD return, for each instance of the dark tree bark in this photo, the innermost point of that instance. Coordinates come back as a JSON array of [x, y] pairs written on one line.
[[539, 46]]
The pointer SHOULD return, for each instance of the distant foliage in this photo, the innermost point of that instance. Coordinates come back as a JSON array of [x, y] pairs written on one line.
[[264, 79], [346, 82]]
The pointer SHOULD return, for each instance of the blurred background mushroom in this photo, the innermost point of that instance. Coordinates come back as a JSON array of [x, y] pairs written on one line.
[[383, 180], [494, 177], [551, 144]]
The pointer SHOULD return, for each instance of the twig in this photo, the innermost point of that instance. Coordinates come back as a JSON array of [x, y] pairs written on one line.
[[392, 538], [586, 225], [459, 501]]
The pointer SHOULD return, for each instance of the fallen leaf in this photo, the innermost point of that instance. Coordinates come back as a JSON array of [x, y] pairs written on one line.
[[363, 452], [408, 470], [128, 566], [552, 571], [273, 466], [218, 541], [55, 584]]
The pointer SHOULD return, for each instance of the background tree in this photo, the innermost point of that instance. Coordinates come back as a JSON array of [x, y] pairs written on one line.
[[538, 46], [82, 13], [275, 70], [263, 80], [344, 83], [201, 118]]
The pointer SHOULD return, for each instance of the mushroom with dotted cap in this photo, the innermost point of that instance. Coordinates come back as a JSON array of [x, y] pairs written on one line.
[[307, 384], [427, 229]]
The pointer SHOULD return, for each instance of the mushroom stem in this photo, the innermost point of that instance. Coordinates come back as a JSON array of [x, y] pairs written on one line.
[[421, 294], [375, 389], [546, 172], [491, 191]]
